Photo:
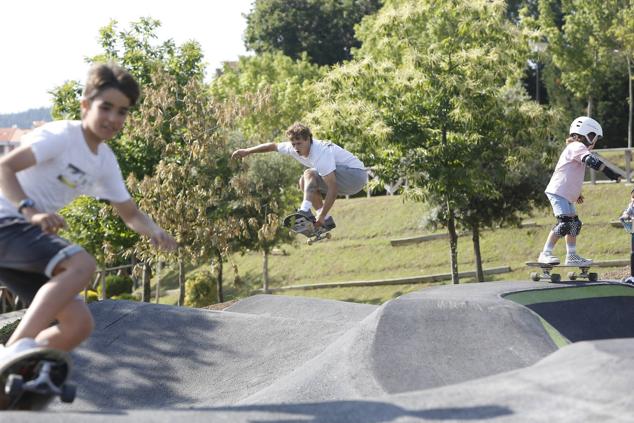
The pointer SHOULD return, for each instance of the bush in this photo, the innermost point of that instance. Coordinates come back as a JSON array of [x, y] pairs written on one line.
[[200, 290], [125, 296], [91, 296], [116, 285], [7, 330]]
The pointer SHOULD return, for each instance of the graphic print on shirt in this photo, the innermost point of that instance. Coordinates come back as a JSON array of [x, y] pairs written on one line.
[[73, 177]]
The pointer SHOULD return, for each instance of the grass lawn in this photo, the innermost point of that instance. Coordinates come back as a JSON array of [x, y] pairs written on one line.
[[360, 248]]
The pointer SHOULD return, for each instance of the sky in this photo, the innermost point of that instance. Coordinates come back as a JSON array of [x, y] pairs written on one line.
[[44, 43]]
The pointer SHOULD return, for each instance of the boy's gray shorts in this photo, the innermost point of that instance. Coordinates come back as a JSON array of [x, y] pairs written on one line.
[[29, 256], [349, 180]]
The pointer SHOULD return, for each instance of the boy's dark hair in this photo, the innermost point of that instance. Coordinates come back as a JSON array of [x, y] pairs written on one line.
[[110, 75], [299, 131]]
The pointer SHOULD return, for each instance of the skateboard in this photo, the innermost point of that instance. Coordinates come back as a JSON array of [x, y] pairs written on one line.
[[546, 272], [300, 225], [33, 378]]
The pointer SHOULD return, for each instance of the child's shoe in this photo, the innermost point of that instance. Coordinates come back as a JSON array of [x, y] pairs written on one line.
[[16, 348], [548, 258], [329, 223], [577, 260]]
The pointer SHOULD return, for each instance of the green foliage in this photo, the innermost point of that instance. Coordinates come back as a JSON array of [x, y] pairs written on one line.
[[199, 291], [324, 29], [66, 101], [125, 296], [96, 227], [270, 91], [7, 330], [116, 285]]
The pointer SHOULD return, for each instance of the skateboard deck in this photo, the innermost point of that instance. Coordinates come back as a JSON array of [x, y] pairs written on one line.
[[546, 272], [33, 378], [300, 225]]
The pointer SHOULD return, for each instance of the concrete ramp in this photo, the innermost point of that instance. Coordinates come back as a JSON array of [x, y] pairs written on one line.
[[449, 353]]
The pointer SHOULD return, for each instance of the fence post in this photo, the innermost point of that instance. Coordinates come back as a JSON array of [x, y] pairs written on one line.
[[628, 165], [102, 282]]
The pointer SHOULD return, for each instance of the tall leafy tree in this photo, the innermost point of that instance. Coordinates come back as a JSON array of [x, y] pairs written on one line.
[[323, 29], [429, 96]]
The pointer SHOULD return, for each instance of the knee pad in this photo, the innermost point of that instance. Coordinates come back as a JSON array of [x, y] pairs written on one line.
[[567, 225]]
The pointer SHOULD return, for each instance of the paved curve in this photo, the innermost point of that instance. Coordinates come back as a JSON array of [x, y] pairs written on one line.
[[476, 352]]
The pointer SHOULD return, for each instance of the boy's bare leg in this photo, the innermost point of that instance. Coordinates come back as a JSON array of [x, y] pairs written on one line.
[[75, 324], [56, 299]]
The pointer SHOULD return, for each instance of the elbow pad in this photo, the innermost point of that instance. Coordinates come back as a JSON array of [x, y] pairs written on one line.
[[592, 162], [611, 174]]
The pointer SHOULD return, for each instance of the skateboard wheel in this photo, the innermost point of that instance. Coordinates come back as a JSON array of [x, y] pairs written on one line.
[[593, 277], [309, 242], [328, 235], [68, 393], [14, 385], [535, 276], [572, 276], [555, 278]]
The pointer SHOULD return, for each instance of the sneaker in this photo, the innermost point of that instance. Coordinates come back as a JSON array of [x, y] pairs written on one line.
[[548, 258], [16, 348], [329, 223], [576, 260], [307, 214]]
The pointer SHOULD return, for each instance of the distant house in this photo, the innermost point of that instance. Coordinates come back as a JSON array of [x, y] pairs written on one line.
[[10, 137]]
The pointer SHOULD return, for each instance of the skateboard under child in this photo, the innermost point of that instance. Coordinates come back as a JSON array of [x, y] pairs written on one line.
[[301, 225], [547, 274], [33, 378]]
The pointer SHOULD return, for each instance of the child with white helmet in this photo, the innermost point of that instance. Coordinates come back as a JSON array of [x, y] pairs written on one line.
[[564, 189]]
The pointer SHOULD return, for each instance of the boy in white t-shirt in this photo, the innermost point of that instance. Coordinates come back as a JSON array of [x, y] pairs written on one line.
[[565, 186], [56, 163], [331, 170]]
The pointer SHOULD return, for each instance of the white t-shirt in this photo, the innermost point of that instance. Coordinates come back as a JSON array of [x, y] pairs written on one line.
[[324, 156], [65, 169], [567, 180]]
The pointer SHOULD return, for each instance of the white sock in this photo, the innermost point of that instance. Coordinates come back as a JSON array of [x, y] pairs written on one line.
[[548, 247], [325, 217], [571, 249], [306, 205]]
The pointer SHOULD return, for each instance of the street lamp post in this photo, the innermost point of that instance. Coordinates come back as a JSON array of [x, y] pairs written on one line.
[[537, 47]]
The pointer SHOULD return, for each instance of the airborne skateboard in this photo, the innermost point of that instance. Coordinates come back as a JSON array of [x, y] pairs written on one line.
[[31, 379], [546, 272], [301, 225]]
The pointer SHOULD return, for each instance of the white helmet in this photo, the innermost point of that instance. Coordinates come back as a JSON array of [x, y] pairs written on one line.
[[584, 125]]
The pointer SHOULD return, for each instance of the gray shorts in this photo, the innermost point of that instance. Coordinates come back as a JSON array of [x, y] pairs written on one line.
[[349, 180], [29, 256]]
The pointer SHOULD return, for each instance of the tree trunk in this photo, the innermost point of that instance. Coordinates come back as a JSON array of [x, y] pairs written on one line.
[[221, 298], [453, 244], [181, 282], [265, 272], [147, 275], [159, 267], [590, 109], [477, 253]]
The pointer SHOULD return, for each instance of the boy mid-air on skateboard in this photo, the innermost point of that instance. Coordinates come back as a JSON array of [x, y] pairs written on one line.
[[331, 170]]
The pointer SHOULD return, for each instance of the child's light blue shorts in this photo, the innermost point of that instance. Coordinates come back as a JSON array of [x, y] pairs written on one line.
[[561, 206]]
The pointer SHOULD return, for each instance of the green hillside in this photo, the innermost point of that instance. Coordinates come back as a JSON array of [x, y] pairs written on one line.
[[360, 248]]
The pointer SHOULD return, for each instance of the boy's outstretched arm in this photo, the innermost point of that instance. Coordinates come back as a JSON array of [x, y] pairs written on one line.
[[141, 223], [262, 148]]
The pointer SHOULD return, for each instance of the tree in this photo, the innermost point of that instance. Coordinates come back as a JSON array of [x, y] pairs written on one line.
[[324, 29], [428, 97], [137, 50], [195, 192], [580, 47], [268, 92]]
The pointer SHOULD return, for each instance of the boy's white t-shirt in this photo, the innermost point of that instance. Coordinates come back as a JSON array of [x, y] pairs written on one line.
[[567, 179], [65, 169], [324, 156]]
